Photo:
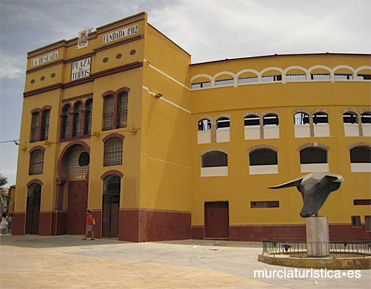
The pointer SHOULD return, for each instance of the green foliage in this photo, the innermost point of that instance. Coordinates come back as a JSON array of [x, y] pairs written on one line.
[[3, 196]]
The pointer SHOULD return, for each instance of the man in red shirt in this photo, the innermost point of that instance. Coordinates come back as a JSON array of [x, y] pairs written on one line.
[[89, 225]]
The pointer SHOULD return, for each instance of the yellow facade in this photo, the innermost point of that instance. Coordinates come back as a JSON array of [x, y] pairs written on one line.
[[164, 190]]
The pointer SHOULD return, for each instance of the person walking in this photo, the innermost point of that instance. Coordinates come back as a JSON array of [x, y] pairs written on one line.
[[4, 224], [90, 222]]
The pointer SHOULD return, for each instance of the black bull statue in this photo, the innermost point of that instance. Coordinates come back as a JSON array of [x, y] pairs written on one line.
[[314, 188]]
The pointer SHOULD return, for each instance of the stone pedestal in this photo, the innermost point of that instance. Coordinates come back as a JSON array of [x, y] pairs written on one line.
[[317, 237]]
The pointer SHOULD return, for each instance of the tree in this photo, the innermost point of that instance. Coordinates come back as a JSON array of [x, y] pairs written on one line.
[[3, 197]]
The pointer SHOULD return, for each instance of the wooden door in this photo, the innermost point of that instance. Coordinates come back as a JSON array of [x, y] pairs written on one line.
[[217, 220], [33, 211], [111, 204], [77, 205]]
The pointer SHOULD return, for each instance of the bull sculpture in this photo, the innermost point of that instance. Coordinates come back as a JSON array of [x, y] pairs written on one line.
[[314, 188]]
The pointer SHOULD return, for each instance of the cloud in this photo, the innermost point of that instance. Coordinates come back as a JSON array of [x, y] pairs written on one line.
[[11, 67], [217, 29]]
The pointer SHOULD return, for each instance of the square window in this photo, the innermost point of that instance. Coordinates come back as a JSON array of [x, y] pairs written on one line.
[[356, 221]]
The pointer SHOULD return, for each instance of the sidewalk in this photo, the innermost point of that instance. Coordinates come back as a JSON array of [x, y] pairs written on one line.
[[69, 262]]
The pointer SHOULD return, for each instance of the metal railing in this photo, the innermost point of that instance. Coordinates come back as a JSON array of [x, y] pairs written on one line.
[[300, 247]]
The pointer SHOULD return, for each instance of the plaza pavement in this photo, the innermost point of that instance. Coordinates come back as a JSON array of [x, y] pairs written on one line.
[[68, 262]]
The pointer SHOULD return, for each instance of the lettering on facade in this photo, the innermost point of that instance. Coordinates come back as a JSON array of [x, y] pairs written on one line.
[[45, 58], [80, 69], [120, 34]]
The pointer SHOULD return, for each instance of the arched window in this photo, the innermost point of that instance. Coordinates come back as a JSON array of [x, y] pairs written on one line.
[[270, 120], [122, 108], [222, 123], [321, 126], [111, 206], [320, 118], [36, 162], [113, 150], [360, 159], [66, 119], [301, 118], [45, 120], [351, 126], [360, 154], [35, 122], [214, 159], [350, 117], [108, 111], [263, 157], [77, 119], [33, 209], [88, 115], [313, 155], [77, 160], [366, 117], [204, 124], [252, 120]]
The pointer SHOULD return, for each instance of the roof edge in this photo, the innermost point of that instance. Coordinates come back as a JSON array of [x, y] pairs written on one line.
[[273, 55]]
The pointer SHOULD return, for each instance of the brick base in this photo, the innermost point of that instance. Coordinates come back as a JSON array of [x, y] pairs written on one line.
[[143, 225], [19, 223]]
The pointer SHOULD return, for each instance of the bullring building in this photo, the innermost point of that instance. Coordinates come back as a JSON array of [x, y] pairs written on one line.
[[119, 121]]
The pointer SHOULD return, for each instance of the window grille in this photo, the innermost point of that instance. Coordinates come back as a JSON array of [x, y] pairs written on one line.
[[66, 118], [320, 76], [35, 126], [36, 162], [356, 221], [34, 195], [222, 82], [295, 77], [366, 117], [252, 120], [111, 194], [45, 120], [350, 117], [313, 156], [361, 154], [122, 109], [339, 76], [270, 120], [268, 78], [204, 124], [214, 159], [262, 157], [72, 160], [113, 150], [320, 118], [88, 117], [108, 109], [223, 122], [242, 80], [77, 119], [265, 204], [200, 84], [301, 118], [364, 76], [364, 202]]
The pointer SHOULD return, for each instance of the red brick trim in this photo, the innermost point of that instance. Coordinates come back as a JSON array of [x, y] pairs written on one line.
[[115, 134], [34, 181], [108, 93], [35, 110], [112, 172], [143, 225], [37, 148]]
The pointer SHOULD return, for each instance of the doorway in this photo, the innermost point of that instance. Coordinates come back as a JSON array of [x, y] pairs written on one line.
[[111, 206], [33, 209], [217, 220], [77, 206]]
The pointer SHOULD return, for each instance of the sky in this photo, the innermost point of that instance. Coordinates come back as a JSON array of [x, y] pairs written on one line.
[[207, 29]]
